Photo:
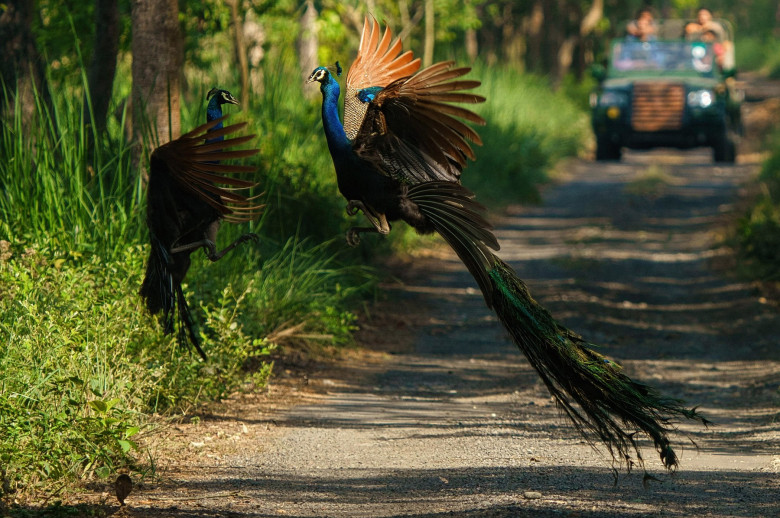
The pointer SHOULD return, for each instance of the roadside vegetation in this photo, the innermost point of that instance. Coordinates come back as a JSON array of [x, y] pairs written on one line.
[[88, 376], [758, 233], [529, 129]]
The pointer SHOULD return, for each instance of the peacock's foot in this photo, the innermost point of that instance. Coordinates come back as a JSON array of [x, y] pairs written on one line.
[[353, 206], [353, 237], [249, 236], [353, 234]]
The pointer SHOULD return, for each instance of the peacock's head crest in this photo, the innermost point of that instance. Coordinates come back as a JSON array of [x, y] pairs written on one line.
[[222, 96]]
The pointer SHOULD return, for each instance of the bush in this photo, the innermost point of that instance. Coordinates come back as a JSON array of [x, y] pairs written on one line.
[[759, 230], [529, 129], [760, 54]]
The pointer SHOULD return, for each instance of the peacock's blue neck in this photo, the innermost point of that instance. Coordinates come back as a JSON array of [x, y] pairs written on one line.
[[338, 143], [213, 112]]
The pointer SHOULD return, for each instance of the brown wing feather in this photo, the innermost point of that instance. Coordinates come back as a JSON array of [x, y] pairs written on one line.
[[378, 63], [412, 132], [191, 163]]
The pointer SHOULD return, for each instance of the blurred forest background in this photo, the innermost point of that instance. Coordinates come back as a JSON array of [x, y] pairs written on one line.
[[90, 88]]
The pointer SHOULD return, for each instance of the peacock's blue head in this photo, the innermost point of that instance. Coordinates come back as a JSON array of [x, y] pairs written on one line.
[[221, 96], [320, 74], [323, 75]]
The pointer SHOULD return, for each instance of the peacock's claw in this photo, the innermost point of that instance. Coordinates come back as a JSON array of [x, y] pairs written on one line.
[[353, 206], [353, 237], [353, 234], [246, 237]]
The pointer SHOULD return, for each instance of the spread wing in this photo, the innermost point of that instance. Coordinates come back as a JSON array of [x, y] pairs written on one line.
[[378, 63], [413, 132], [195, 167]]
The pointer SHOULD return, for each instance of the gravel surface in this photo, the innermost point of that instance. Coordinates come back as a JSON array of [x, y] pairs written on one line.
[[448, 419]]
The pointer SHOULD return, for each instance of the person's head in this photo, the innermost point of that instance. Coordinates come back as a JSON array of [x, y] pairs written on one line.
[[703, 16], [709, 36], [644, 14]]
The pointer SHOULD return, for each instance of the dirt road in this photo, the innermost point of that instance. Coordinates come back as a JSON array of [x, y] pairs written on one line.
[[457, 424]]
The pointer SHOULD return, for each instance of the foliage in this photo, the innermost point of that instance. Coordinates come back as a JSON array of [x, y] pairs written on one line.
[[55, 34], [529, 129], [759, 230], [69, 398], [60, 187], [86, 368], [759, 54]]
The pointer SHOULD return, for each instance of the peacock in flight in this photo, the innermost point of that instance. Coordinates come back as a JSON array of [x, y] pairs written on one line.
[[185, 208], [399, 156]]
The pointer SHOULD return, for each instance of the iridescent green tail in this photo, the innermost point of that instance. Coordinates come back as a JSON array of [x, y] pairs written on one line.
[[609, 404]]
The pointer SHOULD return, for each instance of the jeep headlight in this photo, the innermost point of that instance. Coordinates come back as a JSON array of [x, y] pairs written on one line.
[[700, 98], [611, 98]]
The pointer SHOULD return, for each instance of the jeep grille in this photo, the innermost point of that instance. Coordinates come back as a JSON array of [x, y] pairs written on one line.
[[657, 106]]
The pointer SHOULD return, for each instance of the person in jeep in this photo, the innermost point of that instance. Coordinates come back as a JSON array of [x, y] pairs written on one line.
[[643, 28], [703, 24]]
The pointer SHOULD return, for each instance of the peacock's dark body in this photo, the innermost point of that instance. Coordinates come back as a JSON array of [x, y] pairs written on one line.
[[185, 207], [399, 156]]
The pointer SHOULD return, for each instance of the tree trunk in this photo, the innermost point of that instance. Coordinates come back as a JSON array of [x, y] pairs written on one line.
[[254, 37], [535, 35], [472, 47], [157, 61], [240, 49], [430, 34], [566, 50], [21, 67], [103, 66], [513, 42], [308, 45]]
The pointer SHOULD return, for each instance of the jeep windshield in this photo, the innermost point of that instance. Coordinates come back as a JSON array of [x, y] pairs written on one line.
[[662, 58]]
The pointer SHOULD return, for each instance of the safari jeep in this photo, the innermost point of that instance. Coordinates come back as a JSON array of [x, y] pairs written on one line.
[[667, 92]]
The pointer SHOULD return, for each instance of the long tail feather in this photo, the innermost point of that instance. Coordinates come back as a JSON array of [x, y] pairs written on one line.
[[611, 405], [163, 294], [157, 287], [601, 401], [187, 324]]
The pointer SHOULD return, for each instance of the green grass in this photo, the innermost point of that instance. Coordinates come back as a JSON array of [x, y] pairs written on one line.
[[529, 129], [754, 53], [758, 232], [58, 188], [652, 183]]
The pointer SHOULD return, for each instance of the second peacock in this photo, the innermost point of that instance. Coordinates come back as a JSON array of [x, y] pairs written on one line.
[[185, 207], [398, 156]]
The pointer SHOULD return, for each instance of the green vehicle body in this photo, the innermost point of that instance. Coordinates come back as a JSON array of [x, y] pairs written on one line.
[[665, 93]]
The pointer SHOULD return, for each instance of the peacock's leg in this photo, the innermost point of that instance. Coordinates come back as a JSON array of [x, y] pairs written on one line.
[[216, 256], [378, 219], [203, 243], [353, 234], [209, 243]]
